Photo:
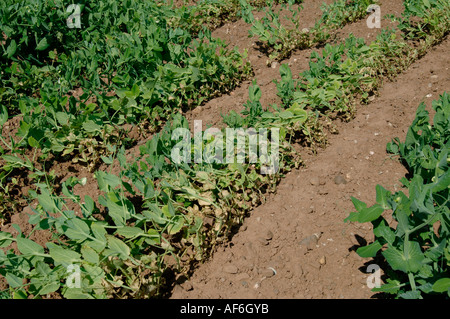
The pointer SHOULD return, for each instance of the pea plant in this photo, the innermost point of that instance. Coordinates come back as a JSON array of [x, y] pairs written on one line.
[[417, 247], [279, 40]]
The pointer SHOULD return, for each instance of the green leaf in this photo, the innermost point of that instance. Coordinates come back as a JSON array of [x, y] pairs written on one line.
[[119, 212], [254, 92], [441, 285], [392, 287], [89, 205], [90, 127], [14, 160], [412, 294], [5, 239], [403, 221], [46, 201], [90, 255], [408, 260], [62, 118], [12, 48], [382, 196], [154, 215], [134, 92], [359, 205], [352, 217], [32, 142], [20, 294], [442, 183], [27, 246], [369, 250], [129, 232], [118, 247], [382, 230], [63, 256], [395, 259], [76, 293], [106, 180], [112, 180], [3, 115], [49, 288], [370, 213], [176, 225], [392, 147], [436, 251], [99, 232], [77, 229], [107, 160], [42, 45], [285, 72], [167, 212], [13, 280], [43, 268]]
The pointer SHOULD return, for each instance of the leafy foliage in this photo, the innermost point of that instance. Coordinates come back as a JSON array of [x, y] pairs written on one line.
[[417, 249], [126, 61], [136, 63]]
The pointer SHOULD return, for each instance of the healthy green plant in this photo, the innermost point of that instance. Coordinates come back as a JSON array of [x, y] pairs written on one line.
[[128, 68], [417, 246]]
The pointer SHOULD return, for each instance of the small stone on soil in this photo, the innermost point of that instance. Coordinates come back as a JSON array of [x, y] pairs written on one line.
[[230, 269], [314, 181], [269, 235], [340, 180]]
